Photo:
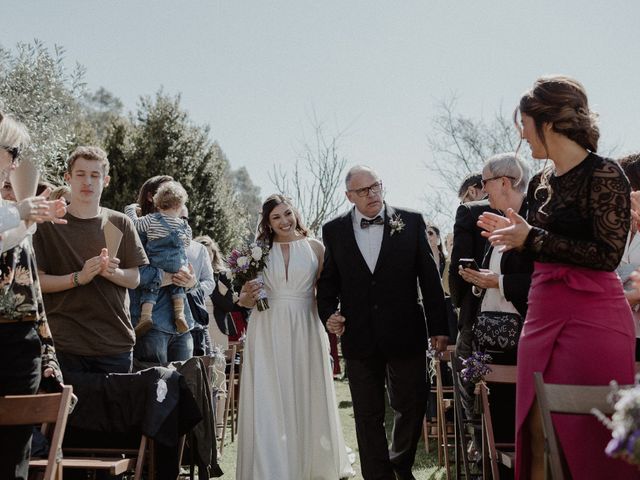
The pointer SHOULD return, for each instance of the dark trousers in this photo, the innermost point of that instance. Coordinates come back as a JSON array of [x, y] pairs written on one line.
[[20, 365], [407, 390], [71, 363]]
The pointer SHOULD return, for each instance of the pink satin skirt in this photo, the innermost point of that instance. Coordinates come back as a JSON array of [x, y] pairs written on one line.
[[579, 330]]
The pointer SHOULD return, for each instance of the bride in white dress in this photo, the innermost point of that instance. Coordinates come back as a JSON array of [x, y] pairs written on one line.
[[288, 425]]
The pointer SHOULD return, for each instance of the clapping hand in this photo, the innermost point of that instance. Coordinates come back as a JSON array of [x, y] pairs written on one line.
[[38, 209], [94, 266], [109, 264], [505, 233]]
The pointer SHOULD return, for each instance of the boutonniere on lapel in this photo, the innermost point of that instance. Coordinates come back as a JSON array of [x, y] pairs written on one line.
[[396, 224]]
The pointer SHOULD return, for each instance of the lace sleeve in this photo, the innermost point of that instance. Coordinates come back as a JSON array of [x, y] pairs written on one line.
[[609, 213]]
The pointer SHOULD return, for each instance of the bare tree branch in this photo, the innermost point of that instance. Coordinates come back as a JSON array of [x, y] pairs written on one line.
[[459, 146], [314, 182]]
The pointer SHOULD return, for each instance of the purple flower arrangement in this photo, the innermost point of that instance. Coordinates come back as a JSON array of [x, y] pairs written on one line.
[[475, 367], [624, 423]]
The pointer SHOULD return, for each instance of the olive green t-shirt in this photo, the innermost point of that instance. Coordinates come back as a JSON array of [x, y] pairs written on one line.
[[91, 319]]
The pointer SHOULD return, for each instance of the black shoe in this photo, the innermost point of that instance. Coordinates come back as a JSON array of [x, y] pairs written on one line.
[[404, 474]]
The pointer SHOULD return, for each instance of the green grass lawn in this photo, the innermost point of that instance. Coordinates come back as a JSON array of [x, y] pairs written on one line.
[[426, 466]]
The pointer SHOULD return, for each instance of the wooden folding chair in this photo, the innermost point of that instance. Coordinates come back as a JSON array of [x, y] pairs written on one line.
[[570, 399], [460, 422], [50, 408], [115, 461], [230, 356], [496, 453], [444, 403]]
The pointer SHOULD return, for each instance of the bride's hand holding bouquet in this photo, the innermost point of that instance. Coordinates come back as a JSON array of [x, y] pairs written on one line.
[[246, 265]]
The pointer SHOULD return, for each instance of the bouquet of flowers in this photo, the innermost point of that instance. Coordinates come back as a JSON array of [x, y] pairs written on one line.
[[247, 263], [475, 367], [624, 423]]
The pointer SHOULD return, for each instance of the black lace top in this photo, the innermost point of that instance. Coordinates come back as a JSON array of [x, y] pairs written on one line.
[[586, 222]]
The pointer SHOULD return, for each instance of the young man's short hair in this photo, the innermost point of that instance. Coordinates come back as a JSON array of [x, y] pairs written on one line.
[[89, 153]]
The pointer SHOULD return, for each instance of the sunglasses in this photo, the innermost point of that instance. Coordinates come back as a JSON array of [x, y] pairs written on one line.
[[484, 181], [14, 152]]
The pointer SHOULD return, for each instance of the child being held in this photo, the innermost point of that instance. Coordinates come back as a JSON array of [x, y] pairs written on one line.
[[167, 237]]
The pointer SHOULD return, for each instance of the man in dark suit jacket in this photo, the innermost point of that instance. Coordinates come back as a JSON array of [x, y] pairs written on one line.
[[467, 243], [376, 257]]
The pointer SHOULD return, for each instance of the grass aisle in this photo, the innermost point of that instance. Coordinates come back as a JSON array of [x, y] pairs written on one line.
[[426, 466]]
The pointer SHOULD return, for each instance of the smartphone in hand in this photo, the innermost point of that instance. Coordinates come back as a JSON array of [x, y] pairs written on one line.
[[469, 263]]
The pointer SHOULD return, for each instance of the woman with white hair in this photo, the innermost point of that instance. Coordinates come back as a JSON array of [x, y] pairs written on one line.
[[503, 286]]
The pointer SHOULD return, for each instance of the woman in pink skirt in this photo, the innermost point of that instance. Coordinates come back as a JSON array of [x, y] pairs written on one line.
[[579, 328]]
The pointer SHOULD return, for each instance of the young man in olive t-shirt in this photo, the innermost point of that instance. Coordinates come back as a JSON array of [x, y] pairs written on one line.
[[84, 285]]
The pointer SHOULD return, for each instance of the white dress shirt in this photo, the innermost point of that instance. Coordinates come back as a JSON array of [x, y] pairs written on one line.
[[494, 300], [369, 240], [199, 259], [12, 229]]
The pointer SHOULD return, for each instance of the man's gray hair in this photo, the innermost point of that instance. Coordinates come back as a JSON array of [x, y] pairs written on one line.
[[357, 169], [510, 165]]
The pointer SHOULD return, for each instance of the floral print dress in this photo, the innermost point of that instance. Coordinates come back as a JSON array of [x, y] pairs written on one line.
[[21, 298]]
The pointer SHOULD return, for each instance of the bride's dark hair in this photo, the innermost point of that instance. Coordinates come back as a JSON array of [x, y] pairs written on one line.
[[264, 232]]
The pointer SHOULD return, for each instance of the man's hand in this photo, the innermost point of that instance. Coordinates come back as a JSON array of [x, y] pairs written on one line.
[[109, 265], [335, 324], [184, 278], [93, 267], [439, 343]]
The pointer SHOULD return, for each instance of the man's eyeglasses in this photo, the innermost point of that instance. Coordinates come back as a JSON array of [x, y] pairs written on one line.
[[14, 152], [364, 192], [484, 181]]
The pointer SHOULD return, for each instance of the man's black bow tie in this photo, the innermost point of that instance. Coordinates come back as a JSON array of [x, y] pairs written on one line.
[[364, 223]]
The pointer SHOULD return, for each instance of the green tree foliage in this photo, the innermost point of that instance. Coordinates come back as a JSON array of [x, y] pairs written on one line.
[[248, 195], [36, 88], [161, 139], [98, 112], [158, 139]]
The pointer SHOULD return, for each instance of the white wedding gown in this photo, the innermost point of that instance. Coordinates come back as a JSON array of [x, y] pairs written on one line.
[[289, 427]]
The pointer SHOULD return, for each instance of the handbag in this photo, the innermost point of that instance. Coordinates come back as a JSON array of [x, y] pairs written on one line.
[[497, 330]]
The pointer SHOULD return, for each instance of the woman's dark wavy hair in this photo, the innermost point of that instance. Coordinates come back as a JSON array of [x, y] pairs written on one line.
[[631, 167], [148, 190], [562, 102], [265, 233]]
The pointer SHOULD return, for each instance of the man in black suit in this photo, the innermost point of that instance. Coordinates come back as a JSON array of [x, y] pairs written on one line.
[[376, 257]]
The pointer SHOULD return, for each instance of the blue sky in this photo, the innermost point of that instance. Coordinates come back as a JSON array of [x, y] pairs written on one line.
[[256, 71]]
